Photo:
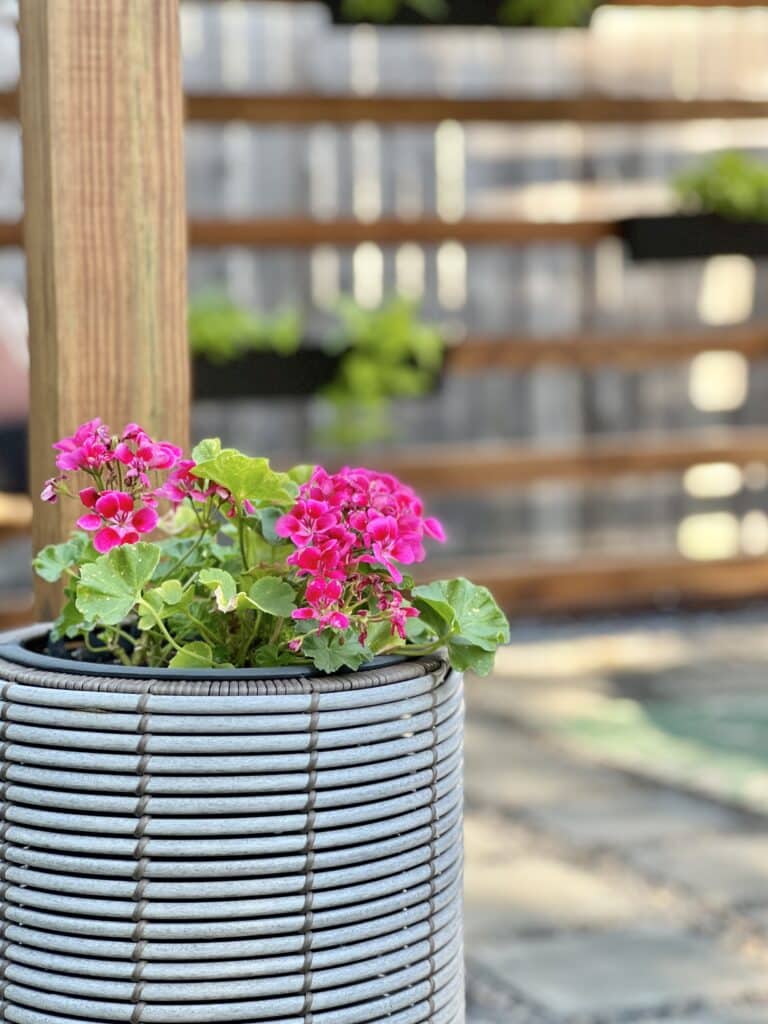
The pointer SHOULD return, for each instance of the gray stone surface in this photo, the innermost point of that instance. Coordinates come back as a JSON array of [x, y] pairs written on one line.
[[601, 896], [724, 869], [625, 971], [512, 890], [634, 815]]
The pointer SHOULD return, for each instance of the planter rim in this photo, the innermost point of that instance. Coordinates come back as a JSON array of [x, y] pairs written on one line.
[[32, 667]]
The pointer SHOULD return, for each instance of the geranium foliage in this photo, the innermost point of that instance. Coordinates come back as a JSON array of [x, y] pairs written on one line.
[[219, 561]]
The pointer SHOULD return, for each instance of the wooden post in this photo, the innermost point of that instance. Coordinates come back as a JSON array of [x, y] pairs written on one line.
[[105, 234]]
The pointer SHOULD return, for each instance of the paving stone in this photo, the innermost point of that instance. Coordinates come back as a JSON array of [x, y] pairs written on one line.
[[507, 769], [722, 869], [721, 1015], [626, 972], [533, 892], [635, 814]]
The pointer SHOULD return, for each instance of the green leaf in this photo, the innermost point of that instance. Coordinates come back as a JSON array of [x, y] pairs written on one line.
[[330, 652], [248, 479], [194, 655], [69, 623], [171, 591], [206, 450], [110, 587], [154, 599], [268, 518], [466, 658], [380, 636], [274, 596], [466, 618], [435, 609], [270, 655], [53, 561], [223, 586], [301, 474]]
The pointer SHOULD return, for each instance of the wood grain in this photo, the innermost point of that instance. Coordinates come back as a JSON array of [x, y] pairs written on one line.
[[306, 108], [303, 232], [491, 466], [627, 350], [105, 230]]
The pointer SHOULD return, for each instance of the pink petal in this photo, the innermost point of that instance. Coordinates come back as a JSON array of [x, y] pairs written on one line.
[[90, 521], [124, 454], [89, 496], [434, 528], [145, 520], [106, 539]]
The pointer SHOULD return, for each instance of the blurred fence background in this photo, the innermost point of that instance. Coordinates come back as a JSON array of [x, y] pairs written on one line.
[[557, 170]]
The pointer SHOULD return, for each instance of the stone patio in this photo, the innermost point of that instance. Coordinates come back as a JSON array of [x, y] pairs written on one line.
[[611, 879]]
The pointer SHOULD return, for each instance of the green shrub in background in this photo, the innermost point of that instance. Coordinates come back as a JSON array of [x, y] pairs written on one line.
[[540, 13], [383, 11], [545, 13], [222, 331], [731, 184], [387, 353], [384, 354]]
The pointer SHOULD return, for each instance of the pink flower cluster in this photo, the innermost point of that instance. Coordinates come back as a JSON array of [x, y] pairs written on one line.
[[121, 504], [352, 530]]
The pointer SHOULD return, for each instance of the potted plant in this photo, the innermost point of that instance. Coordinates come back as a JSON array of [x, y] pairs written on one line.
[[383, 354], [232, 766], [512, 13], [724, 210], [237, 353]]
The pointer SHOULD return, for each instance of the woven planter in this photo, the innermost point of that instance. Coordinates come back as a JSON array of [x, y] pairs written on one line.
[[256, 848]]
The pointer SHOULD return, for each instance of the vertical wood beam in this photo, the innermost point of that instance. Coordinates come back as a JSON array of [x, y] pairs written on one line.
[[105, 229]]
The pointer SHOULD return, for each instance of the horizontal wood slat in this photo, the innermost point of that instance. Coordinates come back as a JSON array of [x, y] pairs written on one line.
[[15, 515], [591, 350], [489, 466], [16, 610], [303, 108], [11, 234], [610, 583], [308, 108], [607, 3], [304, 232]]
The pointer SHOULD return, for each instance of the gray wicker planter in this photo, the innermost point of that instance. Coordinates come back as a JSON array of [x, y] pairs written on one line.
[[282, 850]]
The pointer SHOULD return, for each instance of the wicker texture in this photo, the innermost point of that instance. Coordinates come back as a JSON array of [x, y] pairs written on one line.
[[287, 851]]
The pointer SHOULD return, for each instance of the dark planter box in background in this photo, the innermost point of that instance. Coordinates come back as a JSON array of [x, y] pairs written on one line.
[[265, 375], [463, 12], [693, 236], [269, 375]]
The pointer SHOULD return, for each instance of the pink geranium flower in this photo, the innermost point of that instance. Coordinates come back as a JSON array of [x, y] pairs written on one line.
[[115, 520], [347, 527], [88, 448]]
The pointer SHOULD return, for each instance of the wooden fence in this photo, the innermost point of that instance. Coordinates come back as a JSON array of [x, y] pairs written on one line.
[[503, 465]]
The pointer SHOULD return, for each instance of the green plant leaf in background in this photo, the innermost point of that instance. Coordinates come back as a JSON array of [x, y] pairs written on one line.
[[545, 13], [110, 587], [387, 353], [731, 184], [221, 330], [382, 11]]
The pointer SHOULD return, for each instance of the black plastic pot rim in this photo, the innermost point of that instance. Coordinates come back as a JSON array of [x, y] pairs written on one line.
[[18, 650]]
